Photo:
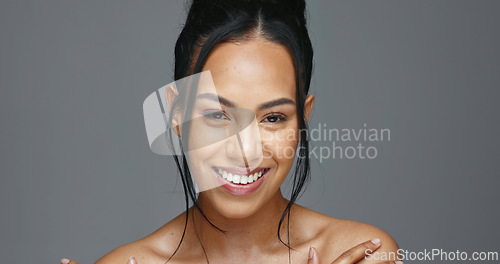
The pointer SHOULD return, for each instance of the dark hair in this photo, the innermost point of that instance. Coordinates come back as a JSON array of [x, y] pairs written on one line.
[[210, 22]]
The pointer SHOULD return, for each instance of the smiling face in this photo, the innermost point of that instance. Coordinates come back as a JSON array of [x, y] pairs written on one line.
[[244, 127]]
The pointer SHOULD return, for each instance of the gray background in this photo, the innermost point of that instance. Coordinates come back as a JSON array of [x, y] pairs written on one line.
[[78, 178]]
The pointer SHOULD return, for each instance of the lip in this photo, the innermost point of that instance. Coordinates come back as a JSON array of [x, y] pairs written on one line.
[[240, 189]]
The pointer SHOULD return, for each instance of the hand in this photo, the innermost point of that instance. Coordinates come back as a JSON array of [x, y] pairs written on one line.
[[131, 260], [352, 255]]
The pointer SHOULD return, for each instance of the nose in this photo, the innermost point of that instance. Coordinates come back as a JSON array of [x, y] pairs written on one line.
[[245, 146]]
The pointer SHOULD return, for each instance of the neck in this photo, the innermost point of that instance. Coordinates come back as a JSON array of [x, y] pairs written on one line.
[[256, 233]]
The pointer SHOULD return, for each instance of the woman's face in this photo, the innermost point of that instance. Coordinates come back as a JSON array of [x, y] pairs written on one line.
[[243, 132]]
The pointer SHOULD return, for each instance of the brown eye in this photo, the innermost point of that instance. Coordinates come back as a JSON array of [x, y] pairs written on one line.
[[275, 118]]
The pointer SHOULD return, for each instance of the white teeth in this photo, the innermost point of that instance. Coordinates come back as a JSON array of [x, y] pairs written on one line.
[[236, 178], [240, 179], [244, 180]]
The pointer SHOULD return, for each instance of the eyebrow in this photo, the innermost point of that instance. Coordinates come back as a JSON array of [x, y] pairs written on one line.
[[228, 103], [217, 99]]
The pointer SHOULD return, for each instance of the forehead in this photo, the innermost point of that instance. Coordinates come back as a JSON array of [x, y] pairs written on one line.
[[250, 71]]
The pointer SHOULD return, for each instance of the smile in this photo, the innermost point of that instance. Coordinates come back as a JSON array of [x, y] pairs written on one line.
[[237, 178], [239, 181]]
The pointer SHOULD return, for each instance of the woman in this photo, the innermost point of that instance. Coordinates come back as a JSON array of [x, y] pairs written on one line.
[[240, 127]]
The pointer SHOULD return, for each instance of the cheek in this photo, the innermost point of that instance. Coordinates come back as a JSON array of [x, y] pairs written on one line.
[[280, 145], [197, 148], [203, 138]]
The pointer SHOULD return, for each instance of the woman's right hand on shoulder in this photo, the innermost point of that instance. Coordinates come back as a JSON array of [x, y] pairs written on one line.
[[131, 260], [353, 255]]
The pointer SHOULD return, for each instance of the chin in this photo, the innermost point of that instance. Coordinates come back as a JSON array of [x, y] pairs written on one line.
[[235, 208]]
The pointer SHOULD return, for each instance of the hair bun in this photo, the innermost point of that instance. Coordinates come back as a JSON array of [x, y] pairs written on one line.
[[293, 7]]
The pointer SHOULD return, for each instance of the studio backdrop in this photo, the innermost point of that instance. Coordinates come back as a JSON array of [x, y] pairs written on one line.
[[405, 131]]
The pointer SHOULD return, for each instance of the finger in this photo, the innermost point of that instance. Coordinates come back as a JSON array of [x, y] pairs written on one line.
[[132, 260], [68, 261], [358, 252], [313, 257]]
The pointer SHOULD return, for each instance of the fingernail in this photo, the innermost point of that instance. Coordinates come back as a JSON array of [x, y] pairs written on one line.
[[376, 241], [65, 261], [131, 260], [311, 253], [398, 262]]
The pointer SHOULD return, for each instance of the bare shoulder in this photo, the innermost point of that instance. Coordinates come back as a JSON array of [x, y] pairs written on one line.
[[334, 236], [121, 254], [155, 248], [354, 233]]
